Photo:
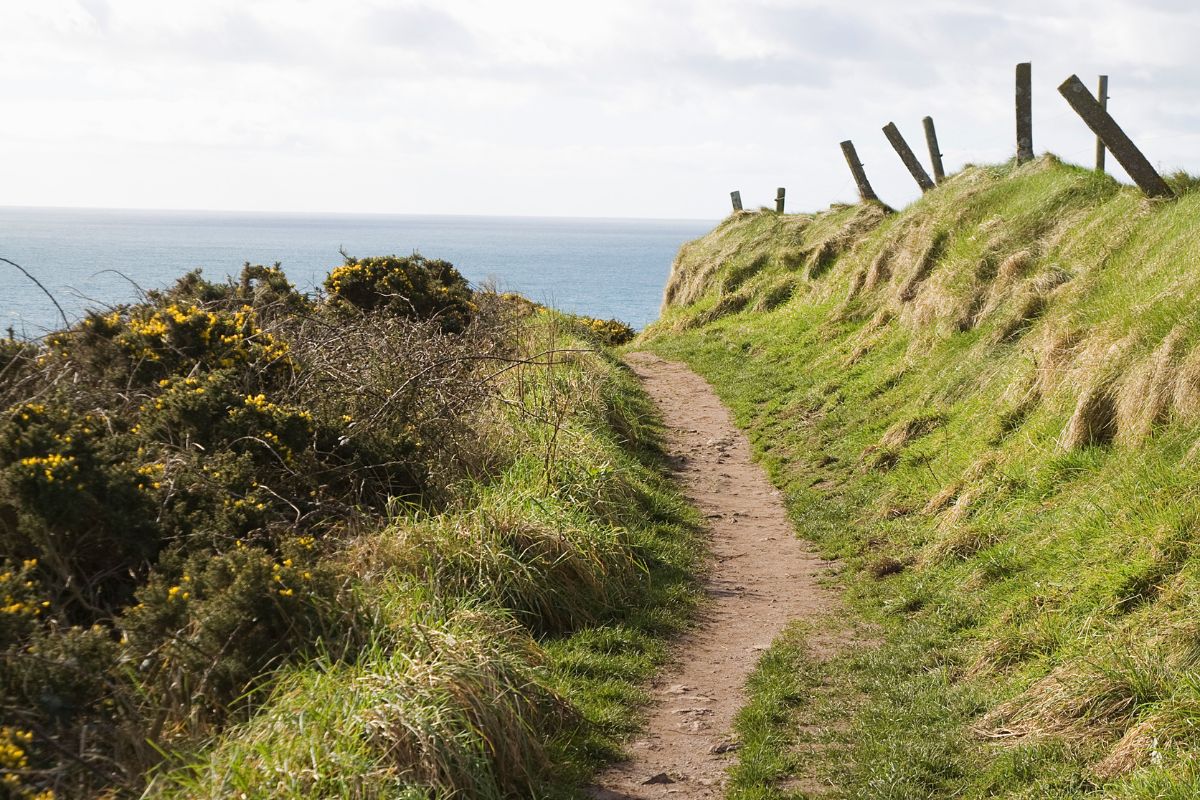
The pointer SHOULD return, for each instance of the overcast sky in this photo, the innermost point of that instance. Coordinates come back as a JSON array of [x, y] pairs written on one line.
[[628, 108]]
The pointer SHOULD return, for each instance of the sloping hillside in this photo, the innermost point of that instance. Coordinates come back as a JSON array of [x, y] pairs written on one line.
[[988, 405]]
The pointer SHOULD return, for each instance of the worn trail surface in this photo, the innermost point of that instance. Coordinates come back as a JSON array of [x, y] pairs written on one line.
[[761, 578]]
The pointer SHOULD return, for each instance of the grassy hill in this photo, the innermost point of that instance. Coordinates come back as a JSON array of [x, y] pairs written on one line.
[[988, 406]]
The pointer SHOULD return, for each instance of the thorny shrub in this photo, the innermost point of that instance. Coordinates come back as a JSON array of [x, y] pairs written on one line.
[[175, 478], [609, 332], [405, 286]]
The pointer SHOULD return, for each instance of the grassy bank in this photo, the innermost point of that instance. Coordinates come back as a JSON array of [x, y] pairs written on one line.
[[398, 539], [987, 406], [511, 632]]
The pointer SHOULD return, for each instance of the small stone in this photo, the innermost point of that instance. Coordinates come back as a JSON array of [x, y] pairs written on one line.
[[661, 777]]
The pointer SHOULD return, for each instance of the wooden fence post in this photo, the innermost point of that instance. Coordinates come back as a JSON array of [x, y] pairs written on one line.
[[1024, 112], [736, 197], [779, 195], [865, 192], [1102, 98], [906, 155], [1120, 145], [935, 154]]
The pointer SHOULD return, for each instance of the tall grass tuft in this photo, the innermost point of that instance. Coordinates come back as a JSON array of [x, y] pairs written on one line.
[[449, 705]]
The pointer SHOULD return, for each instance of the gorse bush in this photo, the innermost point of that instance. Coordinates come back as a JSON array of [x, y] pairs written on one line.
[[409, 286], [194, 628], [150, 342], [173, 477], [608, 332]]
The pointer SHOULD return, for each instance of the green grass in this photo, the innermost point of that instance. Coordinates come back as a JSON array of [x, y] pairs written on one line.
[[792, 725], [997, 388]]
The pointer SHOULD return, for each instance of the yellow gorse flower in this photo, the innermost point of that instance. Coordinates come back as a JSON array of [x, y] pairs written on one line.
[[13, 742]]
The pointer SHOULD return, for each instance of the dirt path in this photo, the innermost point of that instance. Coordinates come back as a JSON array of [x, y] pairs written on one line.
[[761, 578]]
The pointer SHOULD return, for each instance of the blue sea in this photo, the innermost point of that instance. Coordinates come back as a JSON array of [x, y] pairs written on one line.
[[92, 258]]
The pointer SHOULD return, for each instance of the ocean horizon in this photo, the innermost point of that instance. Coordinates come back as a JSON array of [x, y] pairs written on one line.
[[97, 258]]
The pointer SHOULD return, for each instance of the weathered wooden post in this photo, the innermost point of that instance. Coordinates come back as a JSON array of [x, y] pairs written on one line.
[[1024, 112], [1102, 98], [779, 195], [935, 153], [906, 155], [1120, 145], [736, 197], [865, 192]]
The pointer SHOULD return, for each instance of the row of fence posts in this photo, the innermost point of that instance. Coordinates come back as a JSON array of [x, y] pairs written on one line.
[[1093, 110], [780, 194]]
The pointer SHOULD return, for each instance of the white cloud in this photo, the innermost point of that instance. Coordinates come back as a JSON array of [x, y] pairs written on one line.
[[654, 108]]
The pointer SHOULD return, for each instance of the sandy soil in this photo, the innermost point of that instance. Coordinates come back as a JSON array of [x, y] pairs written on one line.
[[761, 578]]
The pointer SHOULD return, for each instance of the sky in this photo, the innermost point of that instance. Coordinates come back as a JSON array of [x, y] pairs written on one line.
[[621, 108]]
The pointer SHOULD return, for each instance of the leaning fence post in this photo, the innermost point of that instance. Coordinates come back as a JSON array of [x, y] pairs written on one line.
[[736, 197], [1102, 98], [865, 192], [935, 153], [906, 155], [1024, 112], [779, 195], [1120, 145]]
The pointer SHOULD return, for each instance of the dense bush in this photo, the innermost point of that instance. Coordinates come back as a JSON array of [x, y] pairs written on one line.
[[175, 476], [608, 332], [72, 500], [405, 286]]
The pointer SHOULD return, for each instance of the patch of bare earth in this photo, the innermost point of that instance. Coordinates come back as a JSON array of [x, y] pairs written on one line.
[[761, 578]]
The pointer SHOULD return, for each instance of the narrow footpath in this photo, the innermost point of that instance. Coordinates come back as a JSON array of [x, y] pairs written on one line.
[[761, 577]]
